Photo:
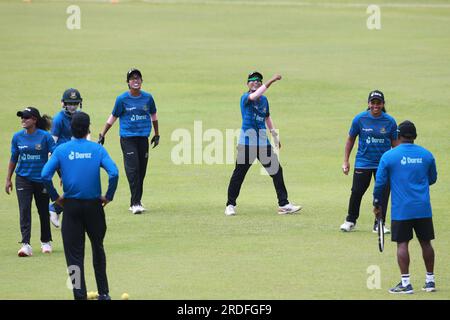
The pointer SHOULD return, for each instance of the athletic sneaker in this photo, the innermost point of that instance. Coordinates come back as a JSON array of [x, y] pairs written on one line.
[[142, 206], [136, 209], [375, 229], [104, 297], [429, 287], [401, 289], [289, 208], [46, 247], [230, 210], [347, 226], [54, 215], [25, 251]]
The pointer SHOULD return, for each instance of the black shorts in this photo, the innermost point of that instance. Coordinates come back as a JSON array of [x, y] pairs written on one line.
[[402, 230]]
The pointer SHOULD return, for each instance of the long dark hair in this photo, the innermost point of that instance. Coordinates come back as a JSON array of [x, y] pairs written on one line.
[[44, 122]]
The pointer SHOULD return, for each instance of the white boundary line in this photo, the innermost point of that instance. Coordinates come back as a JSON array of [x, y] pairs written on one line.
[[271, 3]]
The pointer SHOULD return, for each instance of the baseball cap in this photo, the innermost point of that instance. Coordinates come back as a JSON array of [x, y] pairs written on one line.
[[29, 112], [255, 76], [407, 129], [71, 95], [80, 120], [133, 71], [376, 94]]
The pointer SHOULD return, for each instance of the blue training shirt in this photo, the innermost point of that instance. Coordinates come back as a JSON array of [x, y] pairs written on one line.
[[61, 127], [375, 138], [410, 170], [30, 153], [79, 161], [254, 114], [134, 114]]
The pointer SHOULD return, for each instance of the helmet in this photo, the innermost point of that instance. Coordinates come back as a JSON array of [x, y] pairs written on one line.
[[71, 96]]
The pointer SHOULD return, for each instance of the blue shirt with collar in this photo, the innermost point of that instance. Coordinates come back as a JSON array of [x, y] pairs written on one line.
[[254, 114]]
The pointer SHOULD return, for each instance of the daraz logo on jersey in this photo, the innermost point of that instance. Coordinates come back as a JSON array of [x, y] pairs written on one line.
[[135, 117], [370, 140], [408, 160], [79, 155], [32, 157]]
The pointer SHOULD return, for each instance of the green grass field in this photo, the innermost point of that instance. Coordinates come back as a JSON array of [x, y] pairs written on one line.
[[195, 56]]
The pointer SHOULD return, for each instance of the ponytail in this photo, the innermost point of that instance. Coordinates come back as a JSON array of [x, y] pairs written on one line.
[[44, 122]]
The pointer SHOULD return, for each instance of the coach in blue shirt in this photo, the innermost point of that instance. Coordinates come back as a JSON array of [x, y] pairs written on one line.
[[29, 153], [136, 110], [377, 132], [79, 161], [410, 170]]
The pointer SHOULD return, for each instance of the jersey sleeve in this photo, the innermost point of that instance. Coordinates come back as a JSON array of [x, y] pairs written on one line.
[[14, 150], [432, 172], [244, 99], [118, 108], [51, 145], [394, 132], [354, 129], [108, 164], [56, 126], [47, 174], [381, 180], [151, 105]]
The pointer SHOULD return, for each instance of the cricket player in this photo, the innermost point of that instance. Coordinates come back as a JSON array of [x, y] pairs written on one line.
[[71, 102], [136, 110], [254, 144], [29, 152], [79, 161], [409, 169], [377, 132]]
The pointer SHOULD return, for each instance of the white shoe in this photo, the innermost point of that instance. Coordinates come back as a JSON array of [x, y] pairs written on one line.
[[136, 209], [289, 208], [386, 229], [230, 210], [54, 219], [46, 247], [25, 251], [347, 226], [142, 207]]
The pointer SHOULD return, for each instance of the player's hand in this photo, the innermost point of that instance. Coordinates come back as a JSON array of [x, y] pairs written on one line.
[[377, 212], [346, 167], [276, 77], [276, 139], [104, 201], [60, 201], [8, 186], [155, 141], [101, 139]]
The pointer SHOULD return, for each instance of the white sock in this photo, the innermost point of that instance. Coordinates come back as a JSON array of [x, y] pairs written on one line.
[[405, 279], [429, 277]]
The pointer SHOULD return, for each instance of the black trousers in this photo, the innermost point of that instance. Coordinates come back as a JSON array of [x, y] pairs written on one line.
[[361, 182], [80, 217], [245, 157], [135, 159], [25, 190]]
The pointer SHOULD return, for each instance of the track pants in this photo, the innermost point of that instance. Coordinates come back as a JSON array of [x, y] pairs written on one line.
[[25, 190], [245, 157], [135, 158], [361, 182], [80, 217]]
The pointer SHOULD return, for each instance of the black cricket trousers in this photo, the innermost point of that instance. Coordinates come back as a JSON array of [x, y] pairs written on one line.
[[245, 157], [25, 190], [135, 159], [80, 217], [361, 182]]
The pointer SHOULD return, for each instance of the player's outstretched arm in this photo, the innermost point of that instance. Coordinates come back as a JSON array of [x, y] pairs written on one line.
[[258, 93]]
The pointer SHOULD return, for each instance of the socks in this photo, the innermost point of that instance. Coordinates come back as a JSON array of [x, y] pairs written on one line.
[[429, 277], [405, 280]]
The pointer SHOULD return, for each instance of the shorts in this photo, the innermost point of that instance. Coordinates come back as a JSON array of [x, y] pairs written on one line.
[[402, 230]]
